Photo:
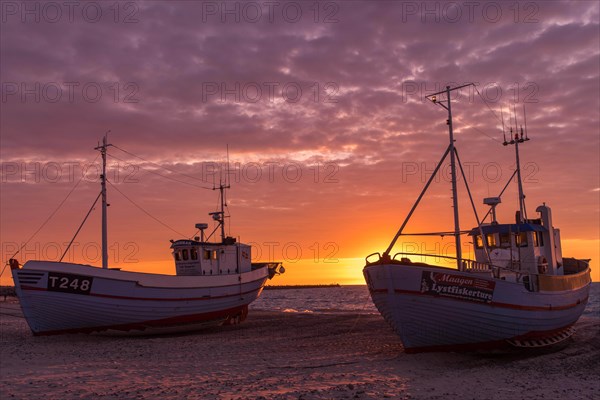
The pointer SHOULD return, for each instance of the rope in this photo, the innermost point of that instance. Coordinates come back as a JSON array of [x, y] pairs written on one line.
[[144, 211]]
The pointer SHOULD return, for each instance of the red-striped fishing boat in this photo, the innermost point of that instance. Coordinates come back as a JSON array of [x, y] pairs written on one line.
[[519, 290], [214, 283]]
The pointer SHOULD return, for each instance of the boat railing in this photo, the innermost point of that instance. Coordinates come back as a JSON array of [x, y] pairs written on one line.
[[476, 266], [467, 264], [368, 258], [529, 279]]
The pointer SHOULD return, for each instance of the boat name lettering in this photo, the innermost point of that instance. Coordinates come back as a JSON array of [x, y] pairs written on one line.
[[69, 283], [447, 285], [454, 279]]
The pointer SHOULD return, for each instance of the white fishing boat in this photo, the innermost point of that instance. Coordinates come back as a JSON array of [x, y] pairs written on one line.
[[214, 284], [519, 290]]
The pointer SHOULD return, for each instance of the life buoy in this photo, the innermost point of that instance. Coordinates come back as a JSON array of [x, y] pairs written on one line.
[[542, 265]]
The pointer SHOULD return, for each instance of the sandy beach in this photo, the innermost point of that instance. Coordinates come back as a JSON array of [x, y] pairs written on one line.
[[277, 355]]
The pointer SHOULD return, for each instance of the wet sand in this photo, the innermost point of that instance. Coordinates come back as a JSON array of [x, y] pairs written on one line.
[[277, 355]]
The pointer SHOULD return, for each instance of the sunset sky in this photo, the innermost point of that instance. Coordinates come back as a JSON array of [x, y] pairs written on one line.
[[322, 107]]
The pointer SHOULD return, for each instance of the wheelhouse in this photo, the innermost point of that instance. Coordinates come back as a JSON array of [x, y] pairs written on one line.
[[531, 246], [193, 257]]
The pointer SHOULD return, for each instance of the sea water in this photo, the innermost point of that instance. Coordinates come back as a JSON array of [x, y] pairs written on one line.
[[331, 299], [593, 306], [352, 299]]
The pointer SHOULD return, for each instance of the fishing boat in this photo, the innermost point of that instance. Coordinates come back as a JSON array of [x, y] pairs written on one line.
[[518, 291], [215, 282]]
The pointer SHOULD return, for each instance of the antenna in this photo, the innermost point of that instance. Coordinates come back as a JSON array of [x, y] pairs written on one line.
[[503, 131], [219, 216], [521, 140], [525, 118], [516, 123], [213, 177], [227, 181], [227, 184], [516, 139], [510, 132]]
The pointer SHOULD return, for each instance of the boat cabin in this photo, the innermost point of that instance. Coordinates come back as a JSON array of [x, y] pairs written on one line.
[[194, 257], [528, 246]]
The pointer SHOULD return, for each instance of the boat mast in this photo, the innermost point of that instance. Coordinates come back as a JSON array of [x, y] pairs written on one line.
[[454, 191], [516, 140], [453, 156], [219, 216], [102, 150], [222, 190], [448, 107]]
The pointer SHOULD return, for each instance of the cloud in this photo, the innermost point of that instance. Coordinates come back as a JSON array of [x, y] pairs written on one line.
[[342, 84]]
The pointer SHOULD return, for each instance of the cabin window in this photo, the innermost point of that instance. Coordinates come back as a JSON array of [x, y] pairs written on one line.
[[538, 239], [522, 239], [505, 240], [177, 256], [478, 242], [491, 240], [209, 255], [184, 254], [193, 253]]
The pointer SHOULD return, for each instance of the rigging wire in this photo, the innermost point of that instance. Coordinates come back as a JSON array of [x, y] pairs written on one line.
[[458, 119], [53, 212], [487, 105], [144, 211], [163, 176], [500, 195], [462, 171], [123, 194], [442, 234], [162, 167], [80, 226], [212, 233]]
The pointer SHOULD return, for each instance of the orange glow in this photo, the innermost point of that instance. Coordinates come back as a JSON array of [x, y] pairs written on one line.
[[326, 134], [317, 245], [348, 270]]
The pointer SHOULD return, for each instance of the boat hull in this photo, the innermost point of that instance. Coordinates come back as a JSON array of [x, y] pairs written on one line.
[[73, 298], [442, 309]]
